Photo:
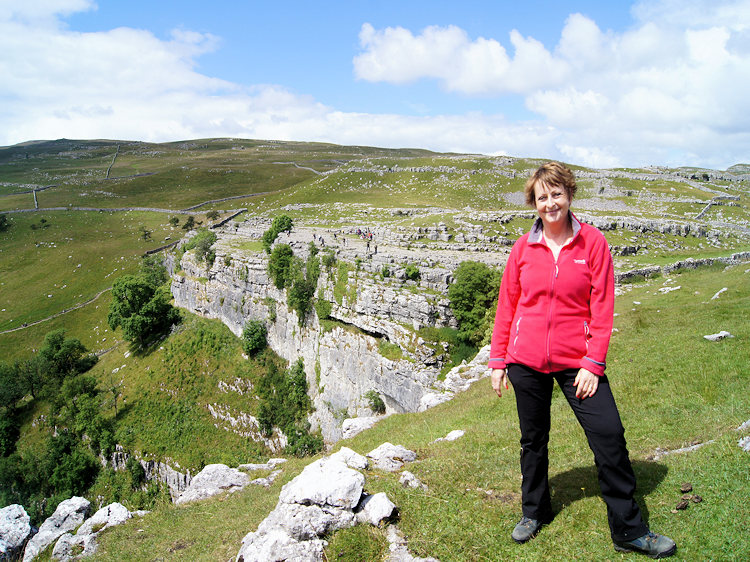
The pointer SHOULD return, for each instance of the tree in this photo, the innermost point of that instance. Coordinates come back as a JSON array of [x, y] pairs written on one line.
[[145, 233], [142, 310], [65, 356], [189, 223], [254, 337], [174, 221], [280, 224], [152, 268], [212, 215], [4, 224], [280, 265], [472, 296]]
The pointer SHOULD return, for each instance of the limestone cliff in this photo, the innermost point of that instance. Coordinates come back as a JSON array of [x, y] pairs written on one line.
[[342, 359]]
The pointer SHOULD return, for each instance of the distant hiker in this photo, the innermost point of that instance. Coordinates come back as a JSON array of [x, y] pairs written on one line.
[[565, 266]]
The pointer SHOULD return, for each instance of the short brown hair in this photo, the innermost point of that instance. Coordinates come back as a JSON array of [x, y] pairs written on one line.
[[552, 174]]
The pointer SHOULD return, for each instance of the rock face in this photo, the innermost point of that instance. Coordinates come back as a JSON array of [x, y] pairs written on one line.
[[84, 542], [342, 363], [176, 481], [212, 480], [15, 530], [68, 515]]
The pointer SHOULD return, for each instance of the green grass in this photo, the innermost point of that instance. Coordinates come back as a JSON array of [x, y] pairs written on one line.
[[39, 269], [672, 387]]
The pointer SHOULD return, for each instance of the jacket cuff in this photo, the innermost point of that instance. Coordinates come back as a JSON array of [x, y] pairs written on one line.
[[497, 363], [595, 367]]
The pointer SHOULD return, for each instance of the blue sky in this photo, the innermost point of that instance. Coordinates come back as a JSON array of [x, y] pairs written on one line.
[[595, 83]]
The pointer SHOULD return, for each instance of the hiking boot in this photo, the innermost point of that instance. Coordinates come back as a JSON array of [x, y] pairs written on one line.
[[651, 544], [526, 529]]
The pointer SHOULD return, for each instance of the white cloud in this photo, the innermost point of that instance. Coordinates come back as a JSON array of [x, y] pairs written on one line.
[[655, 93]]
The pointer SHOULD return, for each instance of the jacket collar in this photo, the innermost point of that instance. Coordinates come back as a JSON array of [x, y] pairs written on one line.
[[535, 234]]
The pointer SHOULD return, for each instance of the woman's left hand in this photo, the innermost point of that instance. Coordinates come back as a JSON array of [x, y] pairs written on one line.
[[586, 384]]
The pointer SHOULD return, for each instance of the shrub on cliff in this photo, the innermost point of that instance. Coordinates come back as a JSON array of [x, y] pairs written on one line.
[[473, 296], [282, 223], [254, 337]]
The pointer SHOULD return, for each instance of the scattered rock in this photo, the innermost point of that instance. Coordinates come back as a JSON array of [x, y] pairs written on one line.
[[716, 296], [686, 487], [270, 465], [212, 480], [15, 530], [391, 457], [720, 336], [408, 480], [697, 499], [68, 515], [375, 509], [665, 290], [398, 548], [267, 481], [452, 436], [353, 426], [74, 547], [744, 443], [350, 458], [108, 516], [683, 504], [325, 482]]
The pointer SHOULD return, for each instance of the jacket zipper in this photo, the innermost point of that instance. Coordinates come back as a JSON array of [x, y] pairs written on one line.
[[586, 334], [549, 311], [518, 331]]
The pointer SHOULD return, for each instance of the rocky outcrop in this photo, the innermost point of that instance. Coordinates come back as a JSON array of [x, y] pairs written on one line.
[[68, 515], [342, 362], [212, 480], [176, 481], [84, 542], [15, 531], [326, 496]]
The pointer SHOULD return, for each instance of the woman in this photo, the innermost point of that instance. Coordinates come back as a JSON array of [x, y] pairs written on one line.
[[553, 322]]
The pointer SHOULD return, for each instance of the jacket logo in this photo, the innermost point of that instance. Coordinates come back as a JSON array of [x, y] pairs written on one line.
[[581, 261]]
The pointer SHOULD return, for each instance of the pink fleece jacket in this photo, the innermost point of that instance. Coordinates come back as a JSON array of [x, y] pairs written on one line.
[[555, 315]]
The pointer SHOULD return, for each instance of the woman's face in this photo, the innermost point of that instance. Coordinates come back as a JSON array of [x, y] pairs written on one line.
[[552, 204]]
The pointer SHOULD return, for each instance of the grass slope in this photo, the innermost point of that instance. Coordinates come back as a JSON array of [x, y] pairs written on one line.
[[673, 388]]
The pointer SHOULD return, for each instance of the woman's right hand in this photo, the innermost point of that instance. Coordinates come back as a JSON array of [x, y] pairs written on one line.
[[499, 378]]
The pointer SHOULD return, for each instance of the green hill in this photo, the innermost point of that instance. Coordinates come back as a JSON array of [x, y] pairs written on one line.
[[674, 388]]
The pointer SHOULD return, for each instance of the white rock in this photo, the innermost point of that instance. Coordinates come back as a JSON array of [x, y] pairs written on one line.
[[716, 296], [409, 480], [325, 482], [73, 547], [744, 426], [15, 530], [277, 546], [720, 336], [353, 426], [374, 509], [270, 465], [431, 399], [745, 443], [267, 481], [108, 516], [391, 457], [212, 480], [452, 436], [350, 458], [68, 515], [665, 290]]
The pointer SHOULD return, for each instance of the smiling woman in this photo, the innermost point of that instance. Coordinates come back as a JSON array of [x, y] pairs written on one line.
[[553, 323]]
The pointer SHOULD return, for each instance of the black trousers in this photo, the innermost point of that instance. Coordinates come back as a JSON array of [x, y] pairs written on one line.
[[600, 420]]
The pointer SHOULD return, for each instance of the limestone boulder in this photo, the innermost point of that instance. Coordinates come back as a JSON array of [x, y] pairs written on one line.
[[375, 509], [108, 516], [73, 547], [325, 482], [212, 480], [15, 530], [67, 517], [391, 457]]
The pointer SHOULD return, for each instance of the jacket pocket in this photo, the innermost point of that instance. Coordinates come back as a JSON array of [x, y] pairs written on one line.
[[586, 335]]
